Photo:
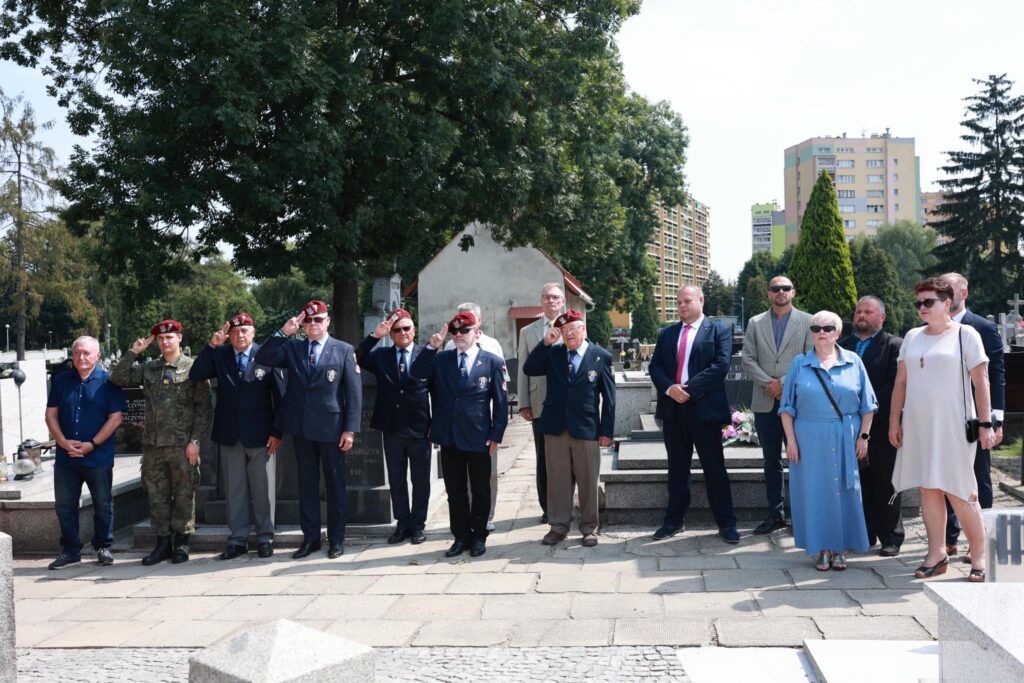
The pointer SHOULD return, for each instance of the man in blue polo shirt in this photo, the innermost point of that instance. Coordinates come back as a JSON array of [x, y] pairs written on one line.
[[82, 412]]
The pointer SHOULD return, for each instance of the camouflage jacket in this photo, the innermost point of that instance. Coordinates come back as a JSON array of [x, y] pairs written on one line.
[[177, 408]]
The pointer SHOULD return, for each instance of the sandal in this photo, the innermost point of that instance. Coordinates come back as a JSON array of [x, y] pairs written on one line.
[[838, 561], [937, 569], [824, 562], [976, 576]]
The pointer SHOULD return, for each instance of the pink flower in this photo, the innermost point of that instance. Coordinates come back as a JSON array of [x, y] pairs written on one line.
[[737, 417], [729, 432]]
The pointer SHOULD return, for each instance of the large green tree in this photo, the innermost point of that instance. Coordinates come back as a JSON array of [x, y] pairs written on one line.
[[718, 295], [910, 245], [645, 319], [333, 135], [821, 268], [751, 295], [983, 210], [874, 272]]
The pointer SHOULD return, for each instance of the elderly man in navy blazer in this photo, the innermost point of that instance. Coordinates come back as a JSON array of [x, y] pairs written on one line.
[[469, 420], [321, 410], [579, 418], [688, 368], [402, 414], [243, 430]]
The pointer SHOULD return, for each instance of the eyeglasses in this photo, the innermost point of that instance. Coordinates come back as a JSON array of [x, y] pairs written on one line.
[[462, 330], [780, 288], [553, 297], [401, 329], [823, 328], [927, 303], [316, 320]]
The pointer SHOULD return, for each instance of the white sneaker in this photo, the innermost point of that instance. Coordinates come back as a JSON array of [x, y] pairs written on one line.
[[490, 526]]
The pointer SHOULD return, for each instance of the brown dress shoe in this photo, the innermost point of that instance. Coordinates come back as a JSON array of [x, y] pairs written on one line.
[[951, 549], [589, 540], [552, 538]]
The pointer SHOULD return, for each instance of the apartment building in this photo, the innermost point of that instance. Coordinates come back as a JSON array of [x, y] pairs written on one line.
[[768, 228], [681, 250]]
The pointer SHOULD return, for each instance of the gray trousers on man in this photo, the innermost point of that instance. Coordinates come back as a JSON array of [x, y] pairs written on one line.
[[249, 475], [572, 464]]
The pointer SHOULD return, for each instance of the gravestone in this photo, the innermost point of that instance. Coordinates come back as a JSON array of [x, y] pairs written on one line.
[[386, 296], [8, 656], [369, 499], [128, 438]]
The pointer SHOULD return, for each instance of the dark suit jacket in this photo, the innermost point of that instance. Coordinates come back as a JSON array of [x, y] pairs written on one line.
[[881, 360], [573, 404], [402, 406], [464, 417], [994, 350], [320, 404], [708, 366], [245, 406]]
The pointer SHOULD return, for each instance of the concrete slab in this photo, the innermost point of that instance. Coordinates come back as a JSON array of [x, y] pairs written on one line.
[[436, 607], [578, 582], [663, 582], [662, 631], [878, 661], [870, 628], [455, 632], [348, 607], [809, 578], [893, 602], [411, 585], [762, 664], [805, 603], [182, 633], [260, 608], [616, 607], [32, 633], [88, 634], [746, 579], [761, 632], [329, 585], [696, 561], [579, 632], [523, 607], [103, 609], [492, 584], [186, 608], [376, 632], [739, 603]]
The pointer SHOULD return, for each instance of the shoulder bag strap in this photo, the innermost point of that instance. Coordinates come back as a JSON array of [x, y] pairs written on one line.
[[963, 367], [828, 393]]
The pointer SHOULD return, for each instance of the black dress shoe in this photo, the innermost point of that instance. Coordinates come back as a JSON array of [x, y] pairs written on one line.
[[544, 518], [161, 552], [889, 551], [417, 536], [233, 551], [478, 548], [335, 551], [265, 549], [769, 525], [397, 537], [667, 531], [729, 534], [304, 550], [64, 560], [458, 547]]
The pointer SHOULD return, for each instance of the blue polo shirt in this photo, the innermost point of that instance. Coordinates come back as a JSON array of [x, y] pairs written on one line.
[[82, 409]]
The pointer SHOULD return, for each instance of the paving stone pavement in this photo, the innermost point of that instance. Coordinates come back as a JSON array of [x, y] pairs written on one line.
[[520, 604]]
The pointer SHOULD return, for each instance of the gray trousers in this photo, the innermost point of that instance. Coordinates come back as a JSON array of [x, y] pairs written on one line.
[[570, 459], [249, 475], [494, 485]]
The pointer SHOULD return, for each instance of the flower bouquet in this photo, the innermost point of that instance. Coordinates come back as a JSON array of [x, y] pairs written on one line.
[[740, 429]]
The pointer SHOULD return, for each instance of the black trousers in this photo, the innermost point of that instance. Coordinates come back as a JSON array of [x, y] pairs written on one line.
[[884, 520], [682, 432], [983, 475], [542, 468], [458, 467], [310, 458], [410, 455]]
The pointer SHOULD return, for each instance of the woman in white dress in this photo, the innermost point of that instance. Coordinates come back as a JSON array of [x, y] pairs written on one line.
[[933, 395]]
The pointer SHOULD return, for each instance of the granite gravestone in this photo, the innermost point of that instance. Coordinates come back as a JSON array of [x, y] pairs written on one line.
[[128, 438], [8, 656]]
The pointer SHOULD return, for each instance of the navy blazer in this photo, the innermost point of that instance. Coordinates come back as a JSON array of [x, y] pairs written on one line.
[[708, 365], [322, 403], [402, 407], [245, 406], [994, 350], [464, 417], [881, 360], [573, 404]]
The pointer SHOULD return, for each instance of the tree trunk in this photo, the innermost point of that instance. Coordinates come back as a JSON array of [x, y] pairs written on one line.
[[345, 310], [21, 320]]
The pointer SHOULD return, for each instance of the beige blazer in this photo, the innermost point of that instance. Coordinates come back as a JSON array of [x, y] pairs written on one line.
[[532, 390], [762, 362]]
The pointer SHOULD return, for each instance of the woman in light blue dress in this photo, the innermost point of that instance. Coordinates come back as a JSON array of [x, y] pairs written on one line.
[[823, 449]]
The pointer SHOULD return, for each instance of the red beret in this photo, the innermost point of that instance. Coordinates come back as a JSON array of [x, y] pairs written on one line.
[[398, 314], [165, 326], [315, 307], [464, 320], [568, 317], [240, 320]]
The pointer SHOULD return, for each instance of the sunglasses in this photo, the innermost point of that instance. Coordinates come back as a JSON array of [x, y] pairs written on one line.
[[780, 288], [316, 320], [401, 329], [461, 330], [823, 328], [927, 303]]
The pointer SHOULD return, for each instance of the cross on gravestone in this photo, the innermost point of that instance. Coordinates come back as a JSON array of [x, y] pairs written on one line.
[[1007, 332], [1016, 302]]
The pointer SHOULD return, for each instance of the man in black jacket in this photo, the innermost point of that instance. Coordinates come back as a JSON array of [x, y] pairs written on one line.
[[243, 429], [402, 414], [879, 351]]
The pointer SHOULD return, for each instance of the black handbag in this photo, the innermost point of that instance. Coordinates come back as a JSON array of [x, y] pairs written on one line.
[[971, 426], [861, 464]]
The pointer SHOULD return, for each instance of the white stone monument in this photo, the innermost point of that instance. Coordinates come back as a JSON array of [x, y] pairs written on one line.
[[8, 656], [32, 411]]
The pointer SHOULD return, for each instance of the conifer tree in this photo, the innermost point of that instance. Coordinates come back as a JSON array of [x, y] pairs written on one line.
[[874, 272]]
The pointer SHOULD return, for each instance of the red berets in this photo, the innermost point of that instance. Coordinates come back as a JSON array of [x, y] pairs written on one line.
[[568, 317], [463, 320], [315, 307], [398, 314], [165, 327], [240, 320]]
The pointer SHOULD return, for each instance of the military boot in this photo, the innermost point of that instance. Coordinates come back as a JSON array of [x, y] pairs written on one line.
[[161, 552], [180, 548]]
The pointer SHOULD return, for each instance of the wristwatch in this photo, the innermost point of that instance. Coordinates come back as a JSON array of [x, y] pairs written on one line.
[[195, 442], [986, 425], [865, 436]]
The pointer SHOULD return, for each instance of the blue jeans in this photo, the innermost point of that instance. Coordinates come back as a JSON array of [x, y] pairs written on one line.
[[772, 436], [67, 492]]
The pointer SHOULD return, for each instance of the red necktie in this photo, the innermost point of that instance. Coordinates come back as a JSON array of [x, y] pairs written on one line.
[[681, 360]]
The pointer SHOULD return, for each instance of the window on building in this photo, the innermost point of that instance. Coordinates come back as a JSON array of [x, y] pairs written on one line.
[[876, 208], [875, 194], [895, 162], [847, 194], [874, 150], [896, 176], [845, 180], [875, 163], [895, 207], [849, 223], [847, 208], [844, 150], [844, 163], [876, 179], [895, 192], [874, 223]]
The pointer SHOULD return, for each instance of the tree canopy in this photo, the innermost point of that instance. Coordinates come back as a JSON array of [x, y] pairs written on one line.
[[910, 245], [874, 272]]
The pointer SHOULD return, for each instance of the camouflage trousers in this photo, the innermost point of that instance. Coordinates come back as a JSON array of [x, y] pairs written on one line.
[[170, 482]]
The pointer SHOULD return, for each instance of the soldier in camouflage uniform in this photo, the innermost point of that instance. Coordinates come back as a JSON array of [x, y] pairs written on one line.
[[177, 414]]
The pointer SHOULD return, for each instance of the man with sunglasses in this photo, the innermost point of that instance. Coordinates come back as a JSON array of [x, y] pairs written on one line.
[[771, 341], [469, 420], [879, 351], [320, 409], [997, 391], [402, 414]]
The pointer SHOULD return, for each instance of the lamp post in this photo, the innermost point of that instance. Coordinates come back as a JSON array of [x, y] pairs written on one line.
[[743, 313], [7, 332], [50, 335], [108, 339]]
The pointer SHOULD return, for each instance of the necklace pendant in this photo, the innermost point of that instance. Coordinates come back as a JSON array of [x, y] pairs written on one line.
[[922, 361]]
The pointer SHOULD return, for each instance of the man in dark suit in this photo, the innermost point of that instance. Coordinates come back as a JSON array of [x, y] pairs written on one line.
[[402, 414], [997, 389], [469, 420], [688, 368], [579, 419], [243, 430], [879, 351], [321, 410]]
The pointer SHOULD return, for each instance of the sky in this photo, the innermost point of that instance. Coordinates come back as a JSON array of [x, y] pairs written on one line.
[[752, 78]]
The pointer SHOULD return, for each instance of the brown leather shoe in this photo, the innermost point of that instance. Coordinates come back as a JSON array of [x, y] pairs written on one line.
[[590, 540], [552, 538], [951, 549]]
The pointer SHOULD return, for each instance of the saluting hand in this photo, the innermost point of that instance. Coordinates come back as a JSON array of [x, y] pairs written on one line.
[[220, 336], [552, 336], [437, 339], [292, 325], [140, 344], [383, 330]]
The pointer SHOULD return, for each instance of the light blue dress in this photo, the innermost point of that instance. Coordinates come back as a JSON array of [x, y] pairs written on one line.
[[824, 485]]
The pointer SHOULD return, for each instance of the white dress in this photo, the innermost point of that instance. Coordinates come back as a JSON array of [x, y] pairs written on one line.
[[935, 452]]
